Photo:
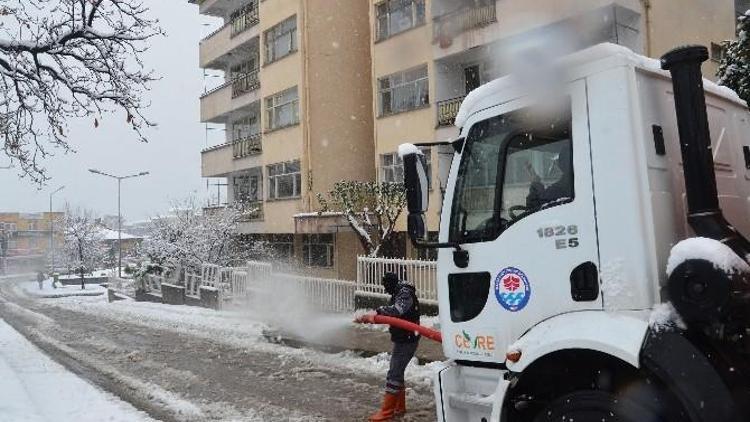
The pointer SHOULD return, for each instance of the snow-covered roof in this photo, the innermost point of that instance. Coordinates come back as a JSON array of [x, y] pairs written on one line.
[[107, 234], [482, 97]]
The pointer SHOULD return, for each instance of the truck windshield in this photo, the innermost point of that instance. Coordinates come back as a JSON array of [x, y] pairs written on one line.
[[512, 166]]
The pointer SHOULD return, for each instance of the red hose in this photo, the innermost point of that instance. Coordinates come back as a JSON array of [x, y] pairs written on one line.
[[409, 326]]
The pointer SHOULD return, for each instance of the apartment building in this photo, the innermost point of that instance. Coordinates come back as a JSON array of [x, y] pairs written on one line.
[[25, 239], [428, 54], [296, 106]]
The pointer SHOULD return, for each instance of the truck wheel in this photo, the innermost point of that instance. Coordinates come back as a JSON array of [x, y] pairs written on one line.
[[596, 406]]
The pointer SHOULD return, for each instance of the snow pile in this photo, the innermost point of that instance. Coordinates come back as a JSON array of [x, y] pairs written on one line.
[[710, 250], [47, 291], [35, 388], [664, 317], [406, 149]]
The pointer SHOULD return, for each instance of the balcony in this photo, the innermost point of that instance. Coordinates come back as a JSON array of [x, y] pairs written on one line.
[[225, 159], [244, 19], [252, 145], [245, 83], [237, 95], [241, 33], [451, 24], [447, 110]]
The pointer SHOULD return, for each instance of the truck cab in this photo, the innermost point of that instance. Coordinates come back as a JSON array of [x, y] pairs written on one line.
[[561, 210]]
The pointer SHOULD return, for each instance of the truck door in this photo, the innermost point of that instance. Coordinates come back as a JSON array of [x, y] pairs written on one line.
[[523, 208]]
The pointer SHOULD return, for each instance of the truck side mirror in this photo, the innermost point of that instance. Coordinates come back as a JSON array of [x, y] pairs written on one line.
[[417, 189]]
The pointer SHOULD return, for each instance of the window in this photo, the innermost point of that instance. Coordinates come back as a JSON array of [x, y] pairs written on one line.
[[282, 247], [246, 188], [396, 16], [404, 91], [282, 109], [717, 52], [245, 127], [318, 250], [284, 180], [281, 40], [429, 254], [512, 166], [392, 167]]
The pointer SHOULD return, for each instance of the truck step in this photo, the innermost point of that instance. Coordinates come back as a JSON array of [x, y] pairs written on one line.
[[470, 402]]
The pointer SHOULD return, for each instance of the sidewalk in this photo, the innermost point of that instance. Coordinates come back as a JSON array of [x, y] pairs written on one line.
[[34, 388]]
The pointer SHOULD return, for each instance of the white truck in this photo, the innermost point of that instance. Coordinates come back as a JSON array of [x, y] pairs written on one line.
[[586, 271]]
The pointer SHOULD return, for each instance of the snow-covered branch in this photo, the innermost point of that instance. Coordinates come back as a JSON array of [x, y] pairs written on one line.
[[62, 59]]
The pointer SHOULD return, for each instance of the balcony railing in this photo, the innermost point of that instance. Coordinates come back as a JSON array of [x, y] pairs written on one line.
[[244, 19], [448, 109], [245, 83], [244, 147], [251, 210], [452, 24]]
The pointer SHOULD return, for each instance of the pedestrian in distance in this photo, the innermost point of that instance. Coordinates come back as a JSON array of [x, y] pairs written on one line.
[[403, 304], [40, 279]]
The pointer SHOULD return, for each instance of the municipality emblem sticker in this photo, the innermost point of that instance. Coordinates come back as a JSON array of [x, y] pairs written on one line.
[[512, 289]]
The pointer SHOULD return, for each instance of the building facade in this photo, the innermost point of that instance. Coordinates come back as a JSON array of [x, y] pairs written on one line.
[[296, 110], [318, 91], [428, 54], [26, 239]]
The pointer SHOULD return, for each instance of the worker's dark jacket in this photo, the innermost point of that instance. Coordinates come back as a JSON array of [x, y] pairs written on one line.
[[405, 305]]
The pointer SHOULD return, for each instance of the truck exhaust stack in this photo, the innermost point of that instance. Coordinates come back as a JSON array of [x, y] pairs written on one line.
[[704, 212]]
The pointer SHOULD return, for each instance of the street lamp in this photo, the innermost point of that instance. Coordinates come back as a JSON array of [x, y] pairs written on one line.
[[119, 215], [52, 228]]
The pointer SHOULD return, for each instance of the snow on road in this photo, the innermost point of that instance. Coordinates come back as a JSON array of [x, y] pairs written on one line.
[[35, 388], [238, 328]]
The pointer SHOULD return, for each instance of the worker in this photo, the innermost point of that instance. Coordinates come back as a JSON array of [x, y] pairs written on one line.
[[403, 304], [540, 196]]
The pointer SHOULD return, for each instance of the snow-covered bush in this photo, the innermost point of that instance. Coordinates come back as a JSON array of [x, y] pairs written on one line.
[[189, 237], [370, 208], [734, 71]]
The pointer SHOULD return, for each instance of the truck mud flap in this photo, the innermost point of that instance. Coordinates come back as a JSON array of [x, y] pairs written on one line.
[[690, 377]]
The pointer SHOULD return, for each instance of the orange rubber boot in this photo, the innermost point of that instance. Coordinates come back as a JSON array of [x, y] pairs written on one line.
[[388, 410], [401, 403]]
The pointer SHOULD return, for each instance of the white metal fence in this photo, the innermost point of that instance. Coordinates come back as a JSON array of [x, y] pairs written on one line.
[[320, 293], [422, 274], [193, 283]]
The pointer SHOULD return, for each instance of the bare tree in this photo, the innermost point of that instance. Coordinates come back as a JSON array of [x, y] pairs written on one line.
[[62, 59], [371, 209], [83, 249]]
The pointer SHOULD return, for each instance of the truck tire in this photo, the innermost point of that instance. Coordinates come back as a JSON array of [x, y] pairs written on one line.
[[596, 406]]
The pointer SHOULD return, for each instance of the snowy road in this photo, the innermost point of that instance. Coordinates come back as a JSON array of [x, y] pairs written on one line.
[[192, 364], [36, 389]]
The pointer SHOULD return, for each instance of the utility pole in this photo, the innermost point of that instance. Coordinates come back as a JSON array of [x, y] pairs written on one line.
[[52, 230], [119, 213]]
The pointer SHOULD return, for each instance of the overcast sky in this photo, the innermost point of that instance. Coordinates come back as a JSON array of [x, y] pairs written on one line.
[[172, 155]]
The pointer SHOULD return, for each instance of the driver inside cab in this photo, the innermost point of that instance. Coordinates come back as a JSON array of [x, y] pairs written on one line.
[[541, 196]]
